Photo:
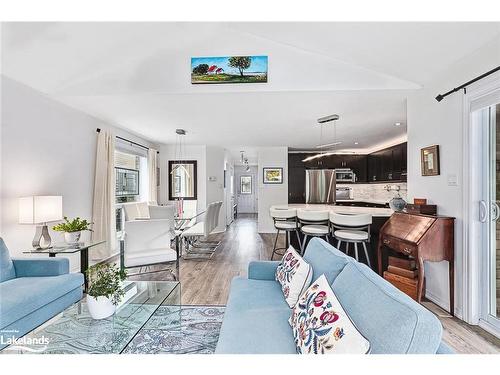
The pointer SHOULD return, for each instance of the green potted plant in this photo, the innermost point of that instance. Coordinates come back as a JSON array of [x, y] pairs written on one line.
[[72, 229], [105, 289]]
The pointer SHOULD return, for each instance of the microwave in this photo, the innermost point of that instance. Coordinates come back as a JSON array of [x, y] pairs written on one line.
[[345, 175]]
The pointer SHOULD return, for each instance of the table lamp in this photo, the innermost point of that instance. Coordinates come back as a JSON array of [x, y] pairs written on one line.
[[40, 210]]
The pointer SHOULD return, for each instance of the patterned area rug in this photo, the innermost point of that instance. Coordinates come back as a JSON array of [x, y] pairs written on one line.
[[197, 333], [190, 329]]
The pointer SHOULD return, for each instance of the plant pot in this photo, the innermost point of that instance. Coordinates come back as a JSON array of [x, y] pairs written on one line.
[[72, 237], [100, 307]]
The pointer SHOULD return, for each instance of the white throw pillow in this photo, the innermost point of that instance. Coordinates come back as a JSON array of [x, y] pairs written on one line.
[[321, 326], [294, 274]]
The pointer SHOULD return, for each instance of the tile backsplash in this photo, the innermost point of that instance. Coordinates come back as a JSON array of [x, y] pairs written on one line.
[[377, 192]]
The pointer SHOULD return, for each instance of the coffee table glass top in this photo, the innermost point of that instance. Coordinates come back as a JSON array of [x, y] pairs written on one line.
[[65, 248], [74, 330]]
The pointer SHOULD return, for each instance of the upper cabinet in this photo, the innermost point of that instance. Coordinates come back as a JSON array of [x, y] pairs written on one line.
[[382, 166], [389, 164]]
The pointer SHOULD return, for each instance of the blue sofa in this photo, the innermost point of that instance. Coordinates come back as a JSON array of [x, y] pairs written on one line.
[[32, 291], [256, 317]]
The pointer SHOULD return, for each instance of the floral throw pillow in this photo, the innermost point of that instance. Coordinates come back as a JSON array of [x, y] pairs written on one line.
[[321, 326], [294, 274]]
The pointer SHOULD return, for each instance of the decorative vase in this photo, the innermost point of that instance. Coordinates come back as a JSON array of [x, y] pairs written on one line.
[[100, 307], [72, 238], [397, 203]]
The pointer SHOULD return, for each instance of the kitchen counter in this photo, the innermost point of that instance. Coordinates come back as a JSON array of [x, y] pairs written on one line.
[[373, 201], [375, 211]]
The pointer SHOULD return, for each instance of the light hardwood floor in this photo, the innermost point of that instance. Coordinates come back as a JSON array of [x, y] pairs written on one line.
[[207, 282]]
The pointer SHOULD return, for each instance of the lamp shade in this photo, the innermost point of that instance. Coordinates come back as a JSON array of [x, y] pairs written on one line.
[[40, 209]]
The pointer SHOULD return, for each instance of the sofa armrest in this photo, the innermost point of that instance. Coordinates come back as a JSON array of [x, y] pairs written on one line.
[[33, 267], [262, 270]]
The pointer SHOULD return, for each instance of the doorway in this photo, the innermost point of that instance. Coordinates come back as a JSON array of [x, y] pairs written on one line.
[[245, 186]]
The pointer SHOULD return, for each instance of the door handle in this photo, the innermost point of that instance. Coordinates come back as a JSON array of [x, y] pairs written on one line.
[[482, 211], [496, 210]]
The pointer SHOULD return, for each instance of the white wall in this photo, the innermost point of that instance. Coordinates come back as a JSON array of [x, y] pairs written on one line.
[[228, 196], [430, 122], [270, 194], [190, 152], [47, 148], [215, 189], [210, 163]]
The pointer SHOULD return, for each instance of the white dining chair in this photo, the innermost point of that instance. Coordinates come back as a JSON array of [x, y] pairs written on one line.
[[146, 243]]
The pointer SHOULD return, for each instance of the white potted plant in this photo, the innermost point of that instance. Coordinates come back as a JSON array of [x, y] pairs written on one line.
[[105, 290], [72, 229]]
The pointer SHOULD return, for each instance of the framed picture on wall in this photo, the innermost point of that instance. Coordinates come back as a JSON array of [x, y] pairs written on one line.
[[273, 175], [429, 157]]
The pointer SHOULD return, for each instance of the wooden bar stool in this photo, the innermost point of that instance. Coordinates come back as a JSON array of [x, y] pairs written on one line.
[[285, 219], [352, 228], [313, 223]]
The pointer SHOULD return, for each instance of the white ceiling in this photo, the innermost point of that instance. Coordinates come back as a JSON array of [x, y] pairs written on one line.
[[137, 76]]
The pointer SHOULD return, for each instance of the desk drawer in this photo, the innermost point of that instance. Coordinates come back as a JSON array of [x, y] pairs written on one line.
[[400, 246]]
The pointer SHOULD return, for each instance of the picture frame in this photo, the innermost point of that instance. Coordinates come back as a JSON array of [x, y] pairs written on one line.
[[229, 69], [429, 159], [272, 175]]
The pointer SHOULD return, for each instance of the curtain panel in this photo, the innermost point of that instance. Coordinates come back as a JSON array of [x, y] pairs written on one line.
[[103, 208]]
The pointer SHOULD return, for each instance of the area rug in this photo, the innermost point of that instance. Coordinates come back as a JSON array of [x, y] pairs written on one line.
[[197, 333]]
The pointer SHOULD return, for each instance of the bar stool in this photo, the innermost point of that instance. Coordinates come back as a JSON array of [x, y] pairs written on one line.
[[313, 223], [285, 219], [352, 228]]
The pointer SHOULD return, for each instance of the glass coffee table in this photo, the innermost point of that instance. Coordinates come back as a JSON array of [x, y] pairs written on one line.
[[146, 305]]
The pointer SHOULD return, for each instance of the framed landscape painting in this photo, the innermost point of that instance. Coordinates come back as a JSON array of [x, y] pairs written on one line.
[[273, 175], [229, 69]]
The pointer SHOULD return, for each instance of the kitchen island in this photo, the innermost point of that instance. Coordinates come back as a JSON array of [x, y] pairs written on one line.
[[379, 215]]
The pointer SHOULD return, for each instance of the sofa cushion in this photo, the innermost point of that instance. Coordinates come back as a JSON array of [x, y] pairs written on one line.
[[321, 326], [294, 274], [388, 318], [7, 270], [325, 259], [23, 295], [256, 319]]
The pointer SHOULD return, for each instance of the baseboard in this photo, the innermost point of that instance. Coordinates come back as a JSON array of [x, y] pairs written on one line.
[[445, 305]]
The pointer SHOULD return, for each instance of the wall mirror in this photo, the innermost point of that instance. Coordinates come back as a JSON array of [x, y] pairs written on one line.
[[182, 179]]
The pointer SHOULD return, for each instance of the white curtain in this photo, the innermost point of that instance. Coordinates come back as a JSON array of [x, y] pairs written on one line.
[[153, 175], [103, 209]]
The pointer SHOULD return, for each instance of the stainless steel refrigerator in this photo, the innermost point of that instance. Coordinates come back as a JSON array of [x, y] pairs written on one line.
[[320, 186]]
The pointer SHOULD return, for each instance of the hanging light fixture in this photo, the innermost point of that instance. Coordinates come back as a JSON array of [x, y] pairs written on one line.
[[179, 151], [322, 147], [244, 161]]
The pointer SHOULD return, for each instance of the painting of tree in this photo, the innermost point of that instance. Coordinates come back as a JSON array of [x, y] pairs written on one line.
[[228, 69], [240, 62]]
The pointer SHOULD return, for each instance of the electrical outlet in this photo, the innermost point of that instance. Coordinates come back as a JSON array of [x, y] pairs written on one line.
[[452, 180]]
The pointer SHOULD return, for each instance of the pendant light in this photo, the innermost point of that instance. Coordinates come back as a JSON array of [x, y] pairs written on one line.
[[179, 151], [331, 151]]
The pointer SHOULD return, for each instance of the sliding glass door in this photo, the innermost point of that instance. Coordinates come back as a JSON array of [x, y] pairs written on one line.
[[488, 119]]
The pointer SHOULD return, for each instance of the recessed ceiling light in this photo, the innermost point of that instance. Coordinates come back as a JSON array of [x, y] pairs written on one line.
[[356, 143], [397, 124]]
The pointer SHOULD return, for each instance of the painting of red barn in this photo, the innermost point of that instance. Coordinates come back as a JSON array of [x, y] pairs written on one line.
[[229, 69]]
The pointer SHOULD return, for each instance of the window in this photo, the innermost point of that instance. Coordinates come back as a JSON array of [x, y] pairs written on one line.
[[131, 183], [246, 185]]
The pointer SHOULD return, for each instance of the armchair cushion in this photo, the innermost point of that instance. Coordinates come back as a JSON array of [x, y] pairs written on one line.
[[262, 270], [32, 293], [7, 270], [36, 267]]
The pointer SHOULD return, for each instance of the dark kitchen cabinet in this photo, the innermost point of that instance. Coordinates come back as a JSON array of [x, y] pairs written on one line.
[[296, 185], [388, 164]]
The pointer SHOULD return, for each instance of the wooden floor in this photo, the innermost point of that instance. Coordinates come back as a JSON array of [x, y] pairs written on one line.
[[206, 282]]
